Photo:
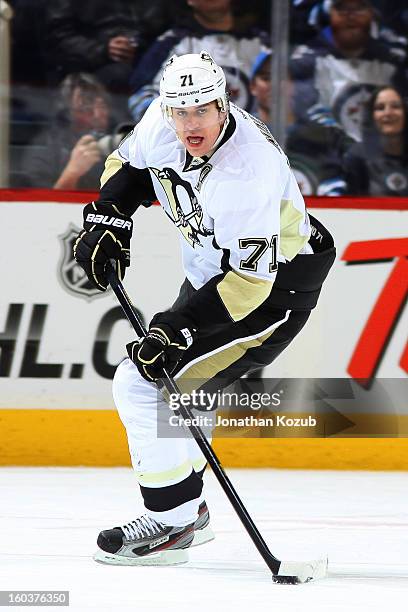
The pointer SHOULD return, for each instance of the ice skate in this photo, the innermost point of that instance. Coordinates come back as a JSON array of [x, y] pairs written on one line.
[[149, 542], [202, 530], [144, 541]]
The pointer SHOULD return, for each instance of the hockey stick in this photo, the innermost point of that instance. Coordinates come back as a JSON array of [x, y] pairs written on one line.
[[282, 572]]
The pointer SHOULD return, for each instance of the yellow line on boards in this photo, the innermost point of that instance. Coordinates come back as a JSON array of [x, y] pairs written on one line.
[[97, 438]]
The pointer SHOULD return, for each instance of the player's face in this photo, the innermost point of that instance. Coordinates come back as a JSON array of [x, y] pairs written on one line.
[[198, 127], [388, 112]]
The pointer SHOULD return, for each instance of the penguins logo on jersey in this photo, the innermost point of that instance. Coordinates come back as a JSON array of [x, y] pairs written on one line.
[[186, 212]]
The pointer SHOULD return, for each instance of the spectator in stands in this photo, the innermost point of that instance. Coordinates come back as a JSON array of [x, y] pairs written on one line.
[[301, 29], [101, 37], [260, 86], [341, 67], [315, 144], [378, 166], [212, 26], [71, 154], [390, 23]]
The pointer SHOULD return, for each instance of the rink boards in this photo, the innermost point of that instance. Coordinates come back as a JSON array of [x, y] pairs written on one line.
[[60, 344]]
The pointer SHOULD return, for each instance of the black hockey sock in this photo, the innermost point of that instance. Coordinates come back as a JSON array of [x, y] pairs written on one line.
[[166, 498]]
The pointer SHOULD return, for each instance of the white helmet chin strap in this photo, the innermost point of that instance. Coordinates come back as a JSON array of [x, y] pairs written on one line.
[[223, 130]]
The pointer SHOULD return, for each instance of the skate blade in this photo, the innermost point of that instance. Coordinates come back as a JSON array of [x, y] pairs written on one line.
[[167, 557], [292, 572], [201, 536]]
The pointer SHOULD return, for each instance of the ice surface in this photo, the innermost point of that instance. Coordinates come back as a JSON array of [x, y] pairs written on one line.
[[50, 518]]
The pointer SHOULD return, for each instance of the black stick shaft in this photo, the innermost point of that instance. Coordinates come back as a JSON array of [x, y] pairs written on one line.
[[272, 562]]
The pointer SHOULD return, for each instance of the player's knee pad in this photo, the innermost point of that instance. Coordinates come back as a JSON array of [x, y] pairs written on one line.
[[132, 394]]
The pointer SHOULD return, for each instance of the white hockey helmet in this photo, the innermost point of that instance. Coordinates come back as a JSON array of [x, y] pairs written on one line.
[[191, 80]]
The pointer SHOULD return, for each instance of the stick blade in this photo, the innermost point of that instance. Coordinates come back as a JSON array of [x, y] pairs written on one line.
[[294, 572]]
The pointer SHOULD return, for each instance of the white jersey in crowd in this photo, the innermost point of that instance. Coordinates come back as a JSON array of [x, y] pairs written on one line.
[[239, 209]]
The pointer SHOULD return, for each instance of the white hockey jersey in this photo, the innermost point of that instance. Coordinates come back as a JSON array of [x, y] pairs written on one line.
[[239, 212]]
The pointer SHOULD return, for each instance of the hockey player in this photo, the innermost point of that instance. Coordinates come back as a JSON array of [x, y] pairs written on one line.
[[254, 260]]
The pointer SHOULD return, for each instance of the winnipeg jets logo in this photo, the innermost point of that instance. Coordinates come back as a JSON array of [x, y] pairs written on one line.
[[238, 87], [186, 212], [348, 108], [70, 274], [396, 181]]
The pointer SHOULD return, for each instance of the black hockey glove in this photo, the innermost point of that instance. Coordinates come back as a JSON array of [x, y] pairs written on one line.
[[106, 235], [169, 336]]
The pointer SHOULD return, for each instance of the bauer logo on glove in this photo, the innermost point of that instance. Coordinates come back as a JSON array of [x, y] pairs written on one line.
[[106, 220], [106, 236]]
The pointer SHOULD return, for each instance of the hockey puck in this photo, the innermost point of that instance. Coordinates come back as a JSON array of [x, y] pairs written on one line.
[[286, 579]]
